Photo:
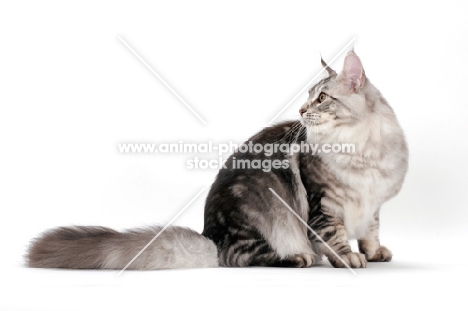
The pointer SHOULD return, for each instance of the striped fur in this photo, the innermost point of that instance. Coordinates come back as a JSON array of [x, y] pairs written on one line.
[[339, 195], [344, 192]]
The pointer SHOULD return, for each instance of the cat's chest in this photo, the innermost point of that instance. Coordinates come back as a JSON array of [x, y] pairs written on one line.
[[358, 195], [362, 197]]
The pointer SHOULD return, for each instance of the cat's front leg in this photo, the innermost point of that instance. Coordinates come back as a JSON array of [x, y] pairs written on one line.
[[334, 242], [340, 253], [370, 244]]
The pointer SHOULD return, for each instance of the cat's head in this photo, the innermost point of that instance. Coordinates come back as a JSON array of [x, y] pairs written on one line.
[[338, 100]]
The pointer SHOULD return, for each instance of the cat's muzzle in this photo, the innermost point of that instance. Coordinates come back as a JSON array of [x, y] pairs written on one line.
[[311, 118]]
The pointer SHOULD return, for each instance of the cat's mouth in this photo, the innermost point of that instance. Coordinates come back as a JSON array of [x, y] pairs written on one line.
[[312, 123], [316, 122]]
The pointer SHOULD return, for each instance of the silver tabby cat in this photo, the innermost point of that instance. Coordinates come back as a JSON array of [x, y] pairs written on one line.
[[339, 195]]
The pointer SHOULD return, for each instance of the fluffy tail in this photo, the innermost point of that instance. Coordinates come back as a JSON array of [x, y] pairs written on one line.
[[103, 248]]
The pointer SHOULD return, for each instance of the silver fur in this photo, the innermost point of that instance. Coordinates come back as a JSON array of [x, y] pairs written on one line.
[[248, 224], [361, 182], [103, 248]]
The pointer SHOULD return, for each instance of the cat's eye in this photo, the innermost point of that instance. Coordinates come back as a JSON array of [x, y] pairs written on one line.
[[322, 97]]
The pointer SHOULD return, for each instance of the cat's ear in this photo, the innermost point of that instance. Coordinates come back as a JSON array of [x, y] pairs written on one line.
[[353, 75], [330, 71]]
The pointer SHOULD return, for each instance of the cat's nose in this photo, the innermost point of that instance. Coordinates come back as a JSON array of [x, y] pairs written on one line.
[[302, 111]]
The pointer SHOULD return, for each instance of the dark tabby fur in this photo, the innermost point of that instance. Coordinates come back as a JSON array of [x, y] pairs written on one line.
[[338, 195]]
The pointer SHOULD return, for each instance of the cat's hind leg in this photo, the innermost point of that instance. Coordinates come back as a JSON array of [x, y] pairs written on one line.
[[279, 239], [245, 253]]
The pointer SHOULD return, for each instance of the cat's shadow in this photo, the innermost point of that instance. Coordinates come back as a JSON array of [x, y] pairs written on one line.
[[392, 266]]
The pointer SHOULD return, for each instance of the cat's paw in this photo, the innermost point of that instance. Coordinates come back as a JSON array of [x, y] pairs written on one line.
[[299, 261], [353, 260], [381, 254]]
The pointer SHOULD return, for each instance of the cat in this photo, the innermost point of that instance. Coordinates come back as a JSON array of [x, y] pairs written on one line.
[[338, 194]]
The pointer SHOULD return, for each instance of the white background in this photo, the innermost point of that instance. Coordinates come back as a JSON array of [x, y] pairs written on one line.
[[70, 91]]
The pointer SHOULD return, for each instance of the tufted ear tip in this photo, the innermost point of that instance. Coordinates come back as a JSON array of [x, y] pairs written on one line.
[[330, 71]]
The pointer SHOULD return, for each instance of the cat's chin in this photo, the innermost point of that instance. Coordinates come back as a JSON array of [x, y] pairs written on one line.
[[320, 131]]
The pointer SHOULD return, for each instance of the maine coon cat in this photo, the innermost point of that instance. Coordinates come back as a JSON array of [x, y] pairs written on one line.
[[338, 194]]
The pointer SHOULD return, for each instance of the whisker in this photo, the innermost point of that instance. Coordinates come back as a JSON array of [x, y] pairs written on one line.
[[289, 131], [298, 129], [295, 139]]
